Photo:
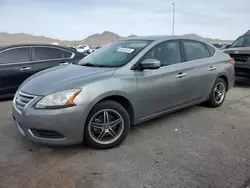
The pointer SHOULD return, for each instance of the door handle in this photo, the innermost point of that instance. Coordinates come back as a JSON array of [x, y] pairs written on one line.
[[64, 63], [25, 68], [212, 68], [181, 75]]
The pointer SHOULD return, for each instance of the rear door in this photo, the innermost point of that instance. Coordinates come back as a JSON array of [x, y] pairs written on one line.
[[15, 67], [199, 67], [47, 57]]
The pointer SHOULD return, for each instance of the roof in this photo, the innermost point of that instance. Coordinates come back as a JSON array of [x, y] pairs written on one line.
[[30, 44], [247, 33], [162, 37], [152, 37], [27, 44]]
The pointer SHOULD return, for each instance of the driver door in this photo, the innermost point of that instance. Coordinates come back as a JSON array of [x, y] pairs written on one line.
[[159, 90]]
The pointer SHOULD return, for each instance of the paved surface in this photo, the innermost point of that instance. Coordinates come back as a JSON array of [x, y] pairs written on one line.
[[196, 147]]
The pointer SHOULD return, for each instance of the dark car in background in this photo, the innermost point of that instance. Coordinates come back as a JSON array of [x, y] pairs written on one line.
[[225, 46], [217, 45], [240, 51], [18, 62]]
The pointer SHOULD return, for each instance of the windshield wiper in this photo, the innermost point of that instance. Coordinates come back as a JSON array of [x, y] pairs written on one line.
[[236, 46], [91, 65]]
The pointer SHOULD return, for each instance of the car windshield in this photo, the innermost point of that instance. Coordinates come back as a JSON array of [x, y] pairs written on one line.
[[243, 41], [115, 54]]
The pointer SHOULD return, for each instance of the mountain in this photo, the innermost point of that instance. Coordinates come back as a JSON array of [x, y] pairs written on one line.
[[6, 38], [104, 38], [95, 39], [195, 36]]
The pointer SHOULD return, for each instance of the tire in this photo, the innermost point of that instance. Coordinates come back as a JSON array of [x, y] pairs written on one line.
[[95, 134], [213, 101]]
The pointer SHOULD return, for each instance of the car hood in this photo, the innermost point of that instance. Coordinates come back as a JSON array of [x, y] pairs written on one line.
[[238, 50], [62, 78]]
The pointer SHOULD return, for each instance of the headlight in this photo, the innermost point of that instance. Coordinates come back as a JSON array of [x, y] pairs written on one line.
[[58, 100]]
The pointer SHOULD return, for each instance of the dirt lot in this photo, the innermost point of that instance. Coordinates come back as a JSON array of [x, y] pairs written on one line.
[[196, 147]]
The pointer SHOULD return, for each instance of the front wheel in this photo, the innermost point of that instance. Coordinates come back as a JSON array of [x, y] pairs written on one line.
[[218, 93], [107, 125]]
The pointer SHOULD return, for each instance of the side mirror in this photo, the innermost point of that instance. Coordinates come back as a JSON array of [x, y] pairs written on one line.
[[150, 64]]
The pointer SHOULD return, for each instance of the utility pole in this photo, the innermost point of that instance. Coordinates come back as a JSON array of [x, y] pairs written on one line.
[[121, 31], [173, 17]]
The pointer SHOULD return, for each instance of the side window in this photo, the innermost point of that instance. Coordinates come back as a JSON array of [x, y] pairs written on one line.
[[167, 53], [47, 53], [211, 50], [15, 55], [66, 54], [195, 50]]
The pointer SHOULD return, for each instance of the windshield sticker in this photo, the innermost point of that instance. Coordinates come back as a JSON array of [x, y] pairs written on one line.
[[126, 50]]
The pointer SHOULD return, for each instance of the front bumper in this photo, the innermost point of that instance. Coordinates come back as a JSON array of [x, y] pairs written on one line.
[[68, 122]]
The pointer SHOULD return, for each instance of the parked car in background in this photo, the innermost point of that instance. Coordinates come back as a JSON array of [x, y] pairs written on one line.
[[82, 49], [225, 46], [18, 62], [217, 45], [71, 47], [92, 49], [96, 48], [240, 51], [122, 84]]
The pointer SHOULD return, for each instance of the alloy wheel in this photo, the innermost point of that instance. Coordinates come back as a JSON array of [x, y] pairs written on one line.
[[219, 92], [106, 126]]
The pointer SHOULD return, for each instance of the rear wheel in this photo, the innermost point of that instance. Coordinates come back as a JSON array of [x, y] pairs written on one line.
[[107, 125], [218, 93]]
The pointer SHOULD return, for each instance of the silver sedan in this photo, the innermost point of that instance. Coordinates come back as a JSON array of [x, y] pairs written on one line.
[[124, 83]]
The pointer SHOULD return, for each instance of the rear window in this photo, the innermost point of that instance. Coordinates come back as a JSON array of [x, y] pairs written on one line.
[[47, 53], [66, 54], [15, 55], [211, 50], [195, 50]]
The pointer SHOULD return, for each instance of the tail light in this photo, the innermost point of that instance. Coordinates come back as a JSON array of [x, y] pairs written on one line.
[[232, 61]]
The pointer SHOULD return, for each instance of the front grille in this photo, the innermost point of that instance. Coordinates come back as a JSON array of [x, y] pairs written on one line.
[[46, 134], [240, 57], [22, 99]]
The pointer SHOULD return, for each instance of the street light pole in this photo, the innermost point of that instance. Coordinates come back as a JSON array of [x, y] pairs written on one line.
[[173, 17], [121, 31]]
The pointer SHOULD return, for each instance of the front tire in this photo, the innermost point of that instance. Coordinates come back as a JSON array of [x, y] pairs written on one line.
[[218, 93], [107, 125]]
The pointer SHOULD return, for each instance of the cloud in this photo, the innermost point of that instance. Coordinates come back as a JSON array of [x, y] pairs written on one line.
[[77, 19]]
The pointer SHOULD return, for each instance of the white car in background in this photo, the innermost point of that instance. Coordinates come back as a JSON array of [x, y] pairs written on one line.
[[82, 48], [93, 49]]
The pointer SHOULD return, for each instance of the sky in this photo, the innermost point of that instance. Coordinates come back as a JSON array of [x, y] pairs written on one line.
[[76, 19]]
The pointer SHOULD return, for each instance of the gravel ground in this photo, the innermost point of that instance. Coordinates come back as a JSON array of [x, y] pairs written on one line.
[[196, 147]]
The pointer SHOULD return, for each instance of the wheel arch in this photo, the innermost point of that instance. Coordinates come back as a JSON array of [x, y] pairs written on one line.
[[118, 97], [225, 78]]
